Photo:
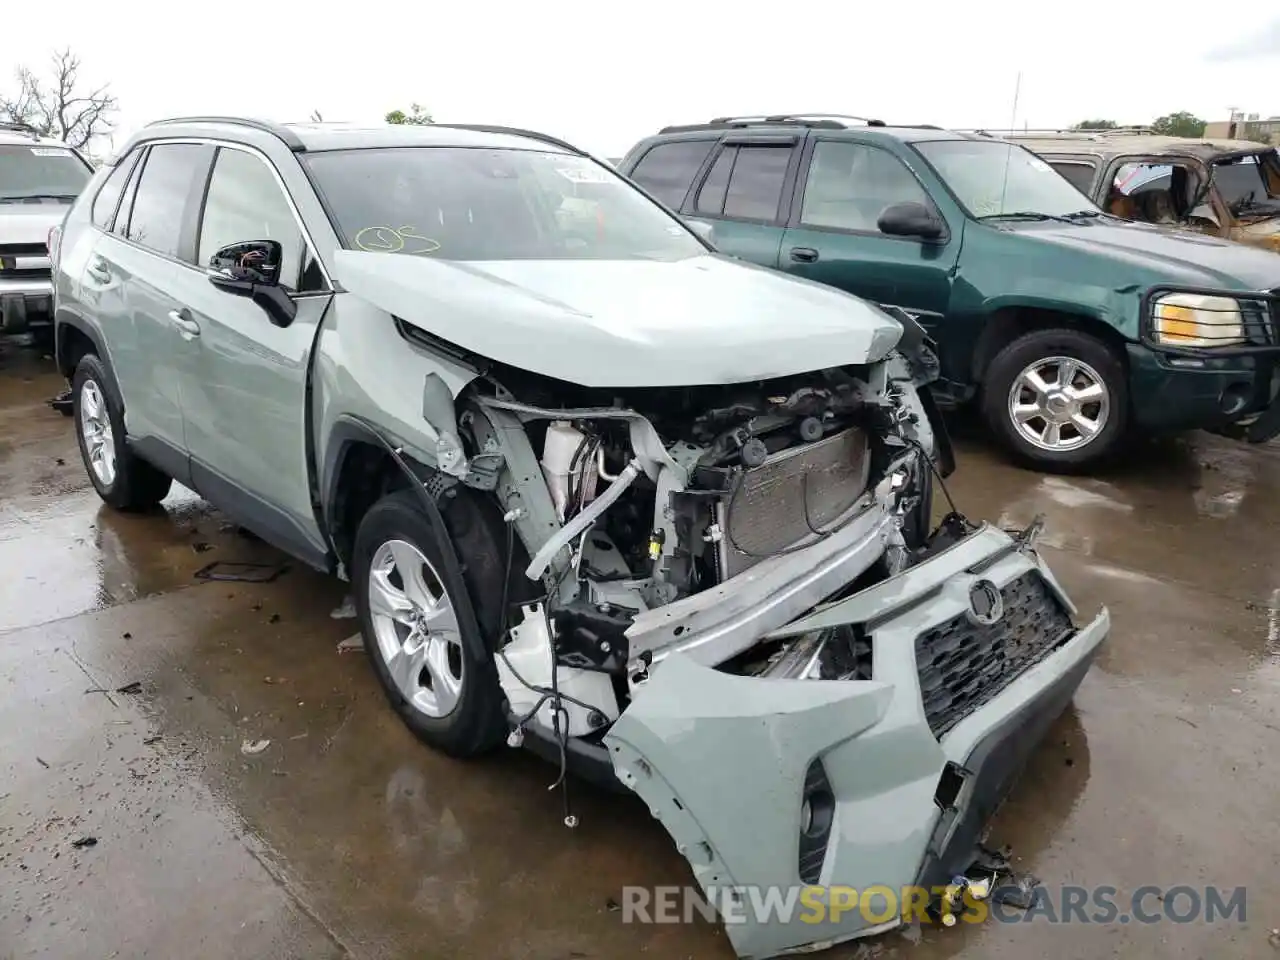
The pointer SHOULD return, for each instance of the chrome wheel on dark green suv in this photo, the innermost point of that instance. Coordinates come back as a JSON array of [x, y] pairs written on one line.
[[1057, 398]]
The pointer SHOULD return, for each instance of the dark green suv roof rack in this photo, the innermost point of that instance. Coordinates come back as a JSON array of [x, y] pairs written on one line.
[[819, 121]]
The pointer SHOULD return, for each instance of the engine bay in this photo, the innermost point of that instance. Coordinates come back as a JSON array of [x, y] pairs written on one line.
[[640, 510]]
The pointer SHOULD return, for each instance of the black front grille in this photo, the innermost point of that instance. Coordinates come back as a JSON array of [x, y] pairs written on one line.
[[1261, 321], [963, 664]]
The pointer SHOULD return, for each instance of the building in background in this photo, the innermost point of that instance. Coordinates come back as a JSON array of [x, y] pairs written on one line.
[[1245, 127]]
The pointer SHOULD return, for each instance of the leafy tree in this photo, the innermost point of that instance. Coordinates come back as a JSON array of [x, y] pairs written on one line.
[[417, 115], [1180, 124], [60, 106], [1095, 125]]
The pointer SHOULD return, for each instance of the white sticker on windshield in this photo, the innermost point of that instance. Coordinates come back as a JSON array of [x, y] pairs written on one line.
[[1038, 164], [584, 175], [51, 152]]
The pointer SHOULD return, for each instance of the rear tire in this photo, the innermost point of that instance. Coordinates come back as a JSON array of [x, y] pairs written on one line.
[[123, 480], [1057, 399], [420, 652]]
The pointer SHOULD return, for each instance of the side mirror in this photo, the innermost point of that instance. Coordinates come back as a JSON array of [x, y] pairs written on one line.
[[911, 220], [704, 230], [252, 269]]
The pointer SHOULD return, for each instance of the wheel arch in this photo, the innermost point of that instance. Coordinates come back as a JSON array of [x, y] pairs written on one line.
[[1011, 321], [73, 338], [358, 470]]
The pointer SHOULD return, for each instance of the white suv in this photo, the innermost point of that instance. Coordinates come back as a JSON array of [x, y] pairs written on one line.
[[39, 179]]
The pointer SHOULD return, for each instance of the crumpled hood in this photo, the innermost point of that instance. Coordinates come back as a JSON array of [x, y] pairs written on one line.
[[1175, 256], [626, 323], [29, 222]]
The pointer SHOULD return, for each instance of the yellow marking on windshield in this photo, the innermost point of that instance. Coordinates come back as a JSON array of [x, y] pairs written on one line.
[[384, 239]]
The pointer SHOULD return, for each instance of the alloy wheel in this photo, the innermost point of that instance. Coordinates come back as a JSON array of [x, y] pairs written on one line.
[[416, 628], [1059, 404], [99, 439]]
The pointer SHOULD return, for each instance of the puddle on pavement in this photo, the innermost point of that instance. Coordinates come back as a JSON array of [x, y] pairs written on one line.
[[1200, 511], [62, 551]]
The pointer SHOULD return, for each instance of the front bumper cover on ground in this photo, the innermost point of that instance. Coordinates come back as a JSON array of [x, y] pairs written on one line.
[[726, 761]]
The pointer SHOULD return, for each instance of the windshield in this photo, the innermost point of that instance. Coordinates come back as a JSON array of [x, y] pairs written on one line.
[[1250, 185], [991, 178], [458, 203], [34, 171]]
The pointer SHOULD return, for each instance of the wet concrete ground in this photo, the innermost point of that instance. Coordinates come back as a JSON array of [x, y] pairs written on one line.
[[345, 837]]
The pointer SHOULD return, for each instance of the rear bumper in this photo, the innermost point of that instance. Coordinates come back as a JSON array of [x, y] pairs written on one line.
[[25, 304], [903, 779]]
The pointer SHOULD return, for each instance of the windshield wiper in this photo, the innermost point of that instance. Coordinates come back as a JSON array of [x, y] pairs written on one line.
[[21, 197], [1024, 215], [1082, 215]]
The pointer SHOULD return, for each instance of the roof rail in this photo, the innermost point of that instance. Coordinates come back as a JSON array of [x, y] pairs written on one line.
[[514, 132], [801, 117], [277, 130], [817, 121], [1077, 133]]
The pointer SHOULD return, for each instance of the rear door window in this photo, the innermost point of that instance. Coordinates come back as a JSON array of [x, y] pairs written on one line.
[[163, 194], [667, 170], [746, 181], [712, 192]]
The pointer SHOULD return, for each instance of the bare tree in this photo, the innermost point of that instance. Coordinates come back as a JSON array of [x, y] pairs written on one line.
[[61, 107]]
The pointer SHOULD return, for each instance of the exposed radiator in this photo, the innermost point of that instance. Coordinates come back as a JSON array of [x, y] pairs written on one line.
[[766, 514]]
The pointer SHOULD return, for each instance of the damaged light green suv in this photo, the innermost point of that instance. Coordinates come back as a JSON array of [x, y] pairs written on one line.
[[600, 492]]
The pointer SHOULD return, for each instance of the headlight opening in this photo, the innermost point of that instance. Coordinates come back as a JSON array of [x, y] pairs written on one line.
[[1198, 320]]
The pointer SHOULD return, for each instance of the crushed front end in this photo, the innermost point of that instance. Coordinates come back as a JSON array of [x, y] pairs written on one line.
[[876, 756], [732, 605]]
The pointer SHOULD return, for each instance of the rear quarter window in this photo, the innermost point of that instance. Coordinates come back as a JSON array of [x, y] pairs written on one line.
[[108, 198], [667, 170], [1078, 172]]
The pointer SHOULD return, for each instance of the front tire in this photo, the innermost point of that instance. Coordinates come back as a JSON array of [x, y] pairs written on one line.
[[122, 479], [416, 641], [1057, 399]]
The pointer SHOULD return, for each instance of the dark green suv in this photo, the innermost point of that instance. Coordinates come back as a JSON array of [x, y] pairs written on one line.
[[1071, 327]]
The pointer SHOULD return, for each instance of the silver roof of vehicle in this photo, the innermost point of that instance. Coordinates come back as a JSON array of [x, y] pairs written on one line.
[[21, 137], [316, 137]]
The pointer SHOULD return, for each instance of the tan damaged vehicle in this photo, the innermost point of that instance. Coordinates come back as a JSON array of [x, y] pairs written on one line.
[[1225, 188]]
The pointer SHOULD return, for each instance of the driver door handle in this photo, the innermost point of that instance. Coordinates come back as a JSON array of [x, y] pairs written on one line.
[[186, 326], [804, 255]]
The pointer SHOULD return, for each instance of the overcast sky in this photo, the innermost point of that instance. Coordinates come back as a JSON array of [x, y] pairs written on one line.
[[603, 75]]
